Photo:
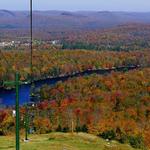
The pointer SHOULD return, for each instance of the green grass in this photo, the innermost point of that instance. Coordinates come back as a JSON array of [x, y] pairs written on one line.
[[62, 141]]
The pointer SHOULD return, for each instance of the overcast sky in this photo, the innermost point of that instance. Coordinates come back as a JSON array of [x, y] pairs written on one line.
[[97, 5]]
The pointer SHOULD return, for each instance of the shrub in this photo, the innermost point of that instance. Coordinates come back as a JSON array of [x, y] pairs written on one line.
[[59, 129], [108, 135], [136, 141], [78, 129], [147, 138], [42, 125], [123, 139], [6, 123], [84, 128], [65, 129]]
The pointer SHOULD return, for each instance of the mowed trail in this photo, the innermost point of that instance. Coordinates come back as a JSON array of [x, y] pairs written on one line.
[[62, 141]]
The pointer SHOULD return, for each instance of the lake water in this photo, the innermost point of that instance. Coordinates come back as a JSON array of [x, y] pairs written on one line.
[[7, 97]]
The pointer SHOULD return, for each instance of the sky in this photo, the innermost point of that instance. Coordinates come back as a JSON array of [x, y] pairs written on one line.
[[76, 5]]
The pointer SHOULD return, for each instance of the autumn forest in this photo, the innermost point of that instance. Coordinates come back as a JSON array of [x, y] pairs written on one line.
[[112, 106]]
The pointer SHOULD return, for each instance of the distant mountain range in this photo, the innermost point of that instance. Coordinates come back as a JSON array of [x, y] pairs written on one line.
[[71, 20], [50, 23]]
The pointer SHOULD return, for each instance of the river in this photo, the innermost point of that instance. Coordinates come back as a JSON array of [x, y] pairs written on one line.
[[7, 97]]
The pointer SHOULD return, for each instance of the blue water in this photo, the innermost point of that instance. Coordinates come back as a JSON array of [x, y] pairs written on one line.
[[7, 97]]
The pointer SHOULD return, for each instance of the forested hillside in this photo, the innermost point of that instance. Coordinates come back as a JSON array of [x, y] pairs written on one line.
[[121, 38], [116, 106], [54, 63]]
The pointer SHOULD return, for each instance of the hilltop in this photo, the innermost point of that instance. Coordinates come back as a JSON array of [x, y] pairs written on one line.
[[64, 141], [65, 19]]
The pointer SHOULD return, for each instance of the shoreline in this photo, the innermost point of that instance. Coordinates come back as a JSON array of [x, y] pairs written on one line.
[[76, 74]]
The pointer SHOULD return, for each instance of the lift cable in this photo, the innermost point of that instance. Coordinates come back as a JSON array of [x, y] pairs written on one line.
[[31, 40], [31, 73]]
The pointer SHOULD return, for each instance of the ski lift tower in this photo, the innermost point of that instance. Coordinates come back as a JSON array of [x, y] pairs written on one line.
[[16, 83]]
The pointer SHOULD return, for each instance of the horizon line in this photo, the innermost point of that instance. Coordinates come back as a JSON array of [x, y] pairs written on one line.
[[77, 10]]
